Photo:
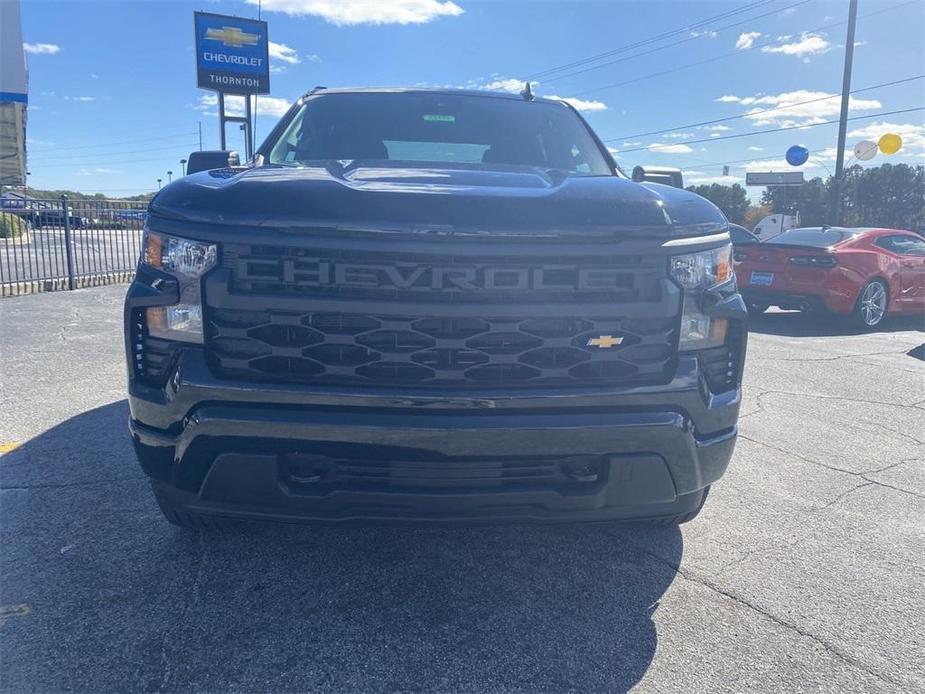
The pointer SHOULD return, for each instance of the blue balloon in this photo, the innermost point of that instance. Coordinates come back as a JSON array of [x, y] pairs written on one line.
[[797, 155]]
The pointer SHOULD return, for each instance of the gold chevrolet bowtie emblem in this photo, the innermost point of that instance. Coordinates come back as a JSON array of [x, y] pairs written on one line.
[[232, 36], [604, 341]]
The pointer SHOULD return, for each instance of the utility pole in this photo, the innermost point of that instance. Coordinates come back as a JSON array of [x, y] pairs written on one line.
[[158, 184], [169, 176], [183, 164], [200, 136], [843, 118]]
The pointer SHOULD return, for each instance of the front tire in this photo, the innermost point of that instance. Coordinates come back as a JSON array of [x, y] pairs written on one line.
[[870, 308]]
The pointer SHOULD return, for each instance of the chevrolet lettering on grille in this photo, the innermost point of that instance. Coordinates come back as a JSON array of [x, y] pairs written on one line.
[[321, 272]]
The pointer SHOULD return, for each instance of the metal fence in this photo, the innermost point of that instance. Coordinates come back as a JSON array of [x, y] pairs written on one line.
[[67, 244]]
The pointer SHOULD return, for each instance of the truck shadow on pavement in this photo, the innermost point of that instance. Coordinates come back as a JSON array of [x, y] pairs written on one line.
[[798, 324], [121, 601]]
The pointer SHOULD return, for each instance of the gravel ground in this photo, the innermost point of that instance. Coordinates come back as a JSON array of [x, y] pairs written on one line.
[[804, 572]]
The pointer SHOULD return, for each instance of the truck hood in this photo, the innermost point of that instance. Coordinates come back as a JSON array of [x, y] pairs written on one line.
[[463, 200]]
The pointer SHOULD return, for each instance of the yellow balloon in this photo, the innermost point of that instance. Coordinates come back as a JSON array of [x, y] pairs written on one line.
[[890, 143]]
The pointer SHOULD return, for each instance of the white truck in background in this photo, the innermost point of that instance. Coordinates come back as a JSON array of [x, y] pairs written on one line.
[[775, 225]]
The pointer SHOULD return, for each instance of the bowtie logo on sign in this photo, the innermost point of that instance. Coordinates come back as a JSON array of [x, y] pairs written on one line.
[[232, 36]]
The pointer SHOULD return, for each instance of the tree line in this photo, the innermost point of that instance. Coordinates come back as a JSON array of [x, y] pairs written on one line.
[[890, 195]]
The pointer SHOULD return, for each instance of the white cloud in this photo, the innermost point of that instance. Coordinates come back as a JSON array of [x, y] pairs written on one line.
[[41, 48], [83, 171], [663, 148], [679, 136], [789, 110], [280, 51], [755, 149], [747, 40], [80, 98], [234, 105], [581, 104], [808, 44], [708, 33], [506, 84], [697, 178], [351, 12], [728, 99], [913, 136], [630, 144]]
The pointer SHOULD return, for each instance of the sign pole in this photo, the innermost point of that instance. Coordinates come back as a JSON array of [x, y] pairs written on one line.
[[221, 119], [843, 118]]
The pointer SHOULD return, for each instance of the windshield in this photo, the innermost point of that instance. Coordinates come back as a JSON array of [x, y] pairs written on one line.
[[816, 238], [439, 128]]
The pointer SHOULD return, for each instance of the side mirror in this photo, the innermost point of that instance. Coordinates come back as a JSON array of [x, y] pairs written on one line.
[[211, 159], [659, 174]]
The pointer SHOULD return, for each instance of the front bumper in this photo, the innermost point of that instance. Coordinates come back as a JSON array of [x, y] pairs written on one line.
[[229, 449]]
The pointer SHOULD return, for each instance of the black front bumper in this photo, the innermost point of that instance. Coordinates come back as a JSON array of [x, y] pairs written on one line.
[[330, 455]]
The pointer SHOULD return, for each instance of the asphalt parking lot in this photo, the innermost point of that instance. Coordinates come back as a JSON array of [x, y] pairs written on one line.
[[803, 573]]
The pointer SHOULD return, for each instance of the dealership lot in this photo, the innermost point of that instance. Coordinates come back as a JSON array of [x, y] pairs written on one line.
[[802, 573]]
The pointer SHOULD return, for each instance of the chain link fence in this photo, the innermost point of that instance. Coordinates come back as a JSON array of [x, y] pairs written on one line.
[[47, 245]]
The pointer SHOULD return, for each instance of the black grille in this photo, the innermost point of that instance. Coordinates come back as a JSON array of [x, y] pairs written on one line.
[[345, 348], [442, 278], [321, 475]]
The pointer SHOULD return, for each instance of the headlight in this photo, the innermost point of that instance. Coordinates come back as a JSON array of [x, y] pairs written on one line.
[[696, 273], [188, 261]]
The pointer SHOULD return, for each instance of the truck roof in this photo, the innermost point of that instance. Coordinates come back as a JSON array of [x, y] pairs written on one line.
[[427, 90]]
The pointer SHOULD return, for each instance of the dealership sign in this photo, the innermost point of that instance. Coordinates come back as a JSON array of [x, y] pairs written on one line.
[[232, 54], [772, 178]]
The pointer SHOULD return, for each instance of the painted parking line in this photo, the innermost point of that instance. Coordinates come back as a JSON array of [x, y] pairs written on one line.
[[7, 446], [7, 611]]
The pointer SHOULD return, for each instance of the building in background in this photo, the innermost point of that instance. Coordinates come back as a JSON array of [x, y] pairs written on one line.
[[14, 96]]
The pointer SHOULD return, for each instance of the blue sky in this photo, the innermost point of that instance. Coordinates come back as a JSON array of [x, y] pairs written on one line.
[[114, 104]]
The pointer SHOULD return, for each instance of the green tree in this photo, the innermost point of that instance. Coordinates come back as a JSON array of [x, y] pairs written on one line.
[[732, 200], [889, 195]]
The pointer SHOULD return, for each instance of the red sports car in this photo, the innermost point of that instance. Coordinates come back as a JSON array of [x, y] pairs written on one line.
[[864, 273]]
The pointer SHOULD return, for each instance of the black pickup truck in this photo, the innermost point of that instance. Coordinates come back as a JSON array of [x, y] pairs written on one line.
[[432, 306]]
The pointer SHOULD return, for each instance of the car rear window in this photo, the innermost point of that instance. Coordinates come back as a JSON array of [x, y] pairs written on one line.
[[813, 237], [420, 127]]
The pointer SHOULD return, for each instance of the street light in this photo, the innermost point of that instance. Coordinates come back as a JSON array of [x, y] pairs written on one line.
[[169, 176], [183, 164], [158, 184]]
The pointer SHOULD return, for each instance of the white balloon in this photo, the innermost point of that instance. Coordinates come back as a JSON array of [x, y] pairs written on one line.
[[865, 150]]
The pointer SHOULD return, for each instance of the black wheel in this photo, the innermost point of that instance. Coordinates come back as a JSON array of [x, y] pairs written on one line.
[[669, 521], [186, 519], [756, 309], [872, 303]]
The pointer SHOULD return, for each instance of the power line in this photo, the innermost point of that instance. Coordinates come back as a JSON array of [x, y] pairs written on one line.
[[730, 54], [111, 154], [766, 110], [643, 42], [771, 130], [103, 163], [110, 144], [671, 45]]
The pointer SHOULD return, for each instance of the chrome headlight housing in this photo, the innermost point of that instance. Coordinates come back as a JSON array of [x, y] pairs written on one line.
[[188, 261], [696, 273]]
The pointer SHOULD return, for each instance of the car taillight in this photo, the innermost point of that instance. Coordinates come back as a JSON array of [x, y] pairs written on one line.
[[814, 260]]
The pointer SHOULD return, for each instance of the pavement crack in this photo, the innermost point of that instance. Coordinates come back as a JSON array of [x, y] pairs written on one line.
[[738, 599], [862, 475], [833, 397]]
